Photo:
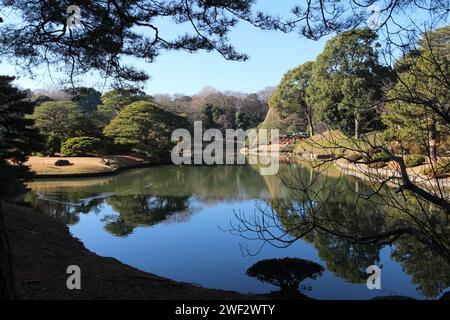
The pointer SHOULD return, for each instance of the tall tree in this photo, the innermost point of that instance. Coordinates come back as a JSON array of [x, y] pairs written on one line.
[[115, 100], [87, 99], [347, 80], [17, 141], [61, 120], [290, 96], [145, 128], [417, 109], [254, 109]]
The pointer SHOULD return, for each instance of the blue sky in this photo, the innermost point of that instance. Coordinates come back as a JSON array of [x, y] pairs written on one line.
[[271, 55]]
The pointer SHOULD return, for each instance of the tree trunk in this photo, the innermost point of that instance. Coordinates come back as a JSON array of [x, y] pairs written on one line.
[[432, 140], [309, 116], [357, 125], [357, 186], [6, 273], [311, 127]]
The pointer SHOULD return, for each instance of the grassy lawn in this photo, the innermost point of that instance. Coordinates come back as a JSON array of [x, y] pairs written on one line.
[[46, 165]]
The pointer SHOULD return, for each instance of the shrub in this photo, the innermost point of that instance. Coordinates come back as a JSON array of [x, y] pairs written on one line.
[[286, 273], [52, 145], [440, 169], [288, 148], [377, 165], [62, 163], [354, 157], [413, 160], [81, 146], [339, 153], [379, 155], [375, 154]]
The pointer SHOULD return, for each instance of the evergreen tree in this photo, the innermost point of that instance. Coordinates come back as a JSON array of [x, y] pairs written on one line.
[[347, 81], [17, 138]]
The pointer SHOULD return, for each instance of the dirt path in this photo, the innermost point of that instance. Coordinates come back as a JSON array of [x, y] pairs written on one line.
[[43, 248]]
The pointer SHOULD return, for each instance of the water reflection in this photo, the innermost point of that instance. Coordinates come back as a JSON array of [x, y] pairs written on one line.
[[142, 210], [149, 197]]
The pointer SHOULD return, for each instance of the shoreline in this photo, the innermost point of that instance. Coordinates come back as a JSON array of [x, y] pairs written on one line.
[[359, 171], [84, 167], [92, 174], [356, 170], [42, 249], [369, 174]]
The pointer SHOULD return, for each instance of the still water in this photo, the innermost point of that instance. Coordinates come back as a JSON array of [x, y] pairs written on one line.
[[178, 222]]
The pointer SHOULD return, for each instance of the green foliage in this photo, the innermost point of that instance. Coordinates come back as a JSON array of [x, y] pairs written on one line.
[[119, 30], [52, 145], [210, 116], [290, 96], [87, 99], [288, 148], [355, 156], [373, 155], [286, 273], [145, 128], [242, 121], [13, 178], [41, 99], [81, 146], [439, 169], [17, 138], [416, 113], [413, 160], [63, 119], [115, 100], [252, 110], [347, 79]]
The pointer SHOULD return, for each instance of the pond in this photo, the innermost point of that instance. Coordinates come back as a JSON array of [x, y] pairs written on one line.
[[178, 222]]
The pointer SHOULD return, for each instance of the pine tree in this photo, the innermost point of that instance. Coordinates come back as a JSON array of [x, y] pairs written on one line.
[[17, 138]]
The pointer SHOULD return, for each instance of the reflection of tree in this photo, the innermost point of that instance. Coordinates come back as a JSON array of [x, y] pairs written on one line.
[[349, 227], [141, 210], [63, 208], [429, 272], [287, 273], [117, 227], [342, 256], [204, 182]]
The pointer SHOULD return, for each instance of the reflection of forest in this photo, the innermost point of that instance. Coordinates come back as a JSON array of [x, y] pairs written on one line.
[[209, 182], [139, 210], [340, 217], [146, 197]]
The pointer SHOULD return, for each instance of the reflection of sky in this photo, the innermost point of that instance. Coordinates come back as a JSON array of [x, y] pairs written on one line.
[[197, 250]]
